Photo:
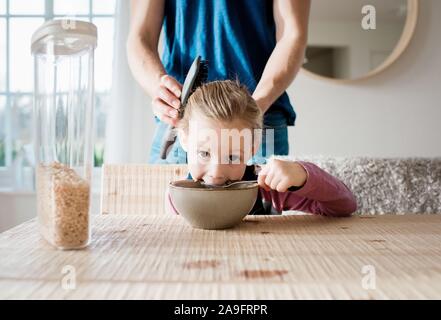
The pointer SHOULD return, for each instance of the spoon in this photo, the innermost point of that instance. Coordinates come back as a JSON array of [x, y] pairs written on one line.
[[228, 184], [257, 169]]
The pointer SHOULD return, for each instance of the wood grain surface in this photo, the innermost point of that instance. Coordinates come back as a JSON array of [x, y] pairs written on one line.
[[265, 257]]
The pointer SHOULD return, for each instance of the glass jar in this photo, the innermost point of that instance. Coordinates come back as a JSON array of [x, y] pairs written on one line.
[[63, 53]]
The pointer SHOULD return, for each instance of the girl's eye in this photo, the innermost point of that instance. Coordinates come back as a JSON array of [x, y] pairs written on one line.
[[234, 158], [204, 154]]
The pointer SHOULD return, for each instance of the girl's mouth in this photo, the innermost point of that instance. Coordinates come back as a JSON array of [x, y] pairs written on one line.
[[215, 182]]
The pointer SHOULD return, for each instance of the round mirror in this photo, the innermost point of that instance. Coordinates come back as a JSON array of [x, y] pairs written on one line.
[[355, 39]]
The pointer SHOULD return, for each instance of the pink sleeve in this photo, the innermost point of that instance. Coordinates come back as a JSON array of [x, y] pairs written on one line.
[[322, 194]]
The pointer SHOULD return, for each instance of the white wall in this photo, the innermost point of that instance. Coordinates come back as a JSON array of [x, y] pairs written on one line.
[[394, 114], [360, 44]]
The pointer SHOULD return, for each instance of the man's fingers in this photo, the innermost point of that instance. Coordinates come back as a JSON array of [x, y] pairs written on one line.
[[168, 97], [172, 84], [164, 118], [168, 120], [161, 108]]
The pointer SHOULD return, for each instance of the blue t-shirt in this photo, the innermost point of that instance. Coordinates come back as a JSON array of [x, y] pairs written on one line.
[[236, 37]]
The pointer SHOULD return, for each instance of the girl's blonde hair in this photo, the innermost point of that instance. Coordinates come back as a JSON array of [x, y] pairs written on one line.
[[223, 101]]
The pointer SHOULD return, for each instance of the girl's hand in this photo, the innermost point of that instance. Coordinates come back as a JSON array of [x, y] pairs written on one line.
[[280, 175], [166, 102]]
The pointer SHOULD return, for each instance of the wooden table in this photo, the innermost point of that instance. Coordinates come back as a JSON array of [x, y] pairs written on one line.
[[266, 257]]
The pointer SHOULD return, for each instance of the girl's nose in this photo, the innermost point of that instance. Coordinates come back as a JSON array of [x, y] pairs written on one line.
[[216, 174]]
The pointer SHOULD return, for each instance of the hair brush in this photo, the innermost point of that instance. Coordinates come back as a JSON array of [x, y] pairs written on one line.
[[196, 76]]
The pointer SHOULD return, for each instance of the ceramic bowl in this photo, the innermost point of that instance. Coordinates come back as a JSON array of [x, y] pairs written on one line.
[[212, 208]]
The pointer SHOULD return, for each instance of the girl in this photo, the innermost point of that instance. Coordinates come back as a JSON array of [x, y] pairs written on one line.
[[220, 132]]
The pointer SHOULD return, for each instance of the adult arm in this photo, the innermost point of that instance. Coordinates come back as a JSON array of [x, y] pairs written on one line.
[[291, 19], [146, 17]]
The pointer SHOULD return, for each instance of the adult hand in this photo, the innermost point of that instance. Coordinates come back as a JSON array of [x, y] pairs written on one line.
[[166, 101]]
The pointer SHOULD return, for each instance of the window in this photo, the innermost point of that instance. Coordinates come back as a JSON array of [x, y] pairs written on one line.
[[18, 20]]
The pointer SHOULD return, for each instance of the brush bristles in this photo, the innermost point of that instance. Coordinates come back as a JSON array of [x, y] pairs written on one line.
[[202, 74], [201, 77]]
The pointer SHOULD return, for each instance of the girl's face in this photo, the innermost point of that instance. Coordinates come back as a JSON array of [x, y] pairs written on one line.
[[217, 152]]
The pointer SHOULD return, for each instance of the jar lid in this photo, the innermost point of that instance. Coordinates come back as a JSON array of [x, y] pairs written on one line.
[[81, 33]]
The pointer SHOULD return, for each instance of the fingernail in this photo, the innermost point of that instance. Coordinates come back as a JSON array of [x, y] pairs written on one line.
[[176, 103], [178, 93], [173, 113]]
